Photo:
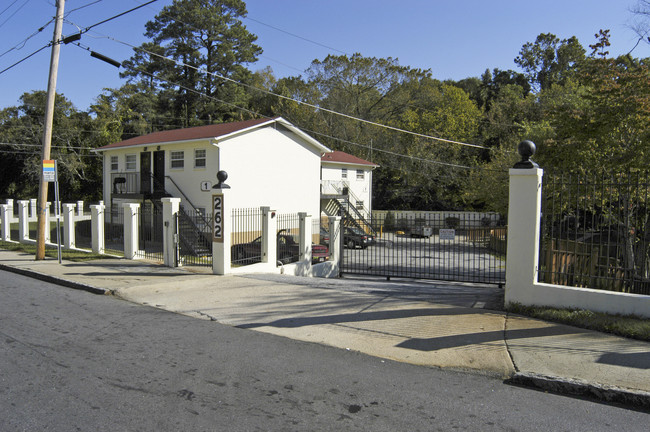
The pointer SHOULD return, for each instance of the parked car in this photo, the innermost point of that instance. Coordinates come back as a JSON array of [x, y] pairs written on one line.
[[353, 237], [288, 250], [324, 237]]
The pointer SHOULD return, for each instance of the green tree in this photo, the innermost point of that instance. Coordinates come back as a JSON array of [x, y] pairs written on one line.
[[549, 60], [210, 47], [73, 137]]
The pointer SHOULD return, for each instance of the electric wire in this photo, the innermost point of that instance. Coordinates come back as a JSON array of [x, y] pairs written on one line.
[[24, 41], [15, 12], [25, 58], [316, 107], [318, 133], [294, 35]]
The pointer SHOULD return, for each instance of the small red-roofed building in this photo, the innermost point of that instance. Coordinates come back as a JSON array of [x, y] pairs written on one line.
[[346, 185]]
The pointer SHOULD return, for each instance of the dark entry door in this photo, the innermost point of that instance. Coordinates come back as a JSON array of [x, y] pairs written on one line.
[[159, 171], [145, 173]]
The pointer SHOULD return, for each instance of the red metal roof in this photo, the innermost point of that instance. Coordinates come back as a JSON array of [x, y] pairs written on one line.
[[200, 132], [345, 158]]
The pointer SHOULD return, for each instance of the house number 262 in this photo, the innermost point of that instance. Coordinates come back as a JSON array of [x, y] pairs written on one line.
[[217, 217]]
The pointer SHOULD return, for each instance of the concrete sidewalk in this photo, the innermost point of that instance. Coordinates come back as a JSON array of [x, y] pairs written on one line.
[[424, 323]]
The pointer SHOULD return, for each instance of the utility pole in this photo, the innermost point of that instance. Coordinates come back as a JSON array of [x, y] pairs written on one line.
[[47, 130]]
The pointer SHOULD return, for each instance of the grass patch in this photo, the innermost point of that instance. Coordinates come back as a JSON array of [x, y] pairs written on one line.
[[66, 254], [628, 326]]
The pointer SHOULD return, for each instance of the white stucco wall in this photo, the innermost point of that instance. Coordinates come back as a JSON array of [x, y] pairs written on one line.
[[272, 167], [268, 166]]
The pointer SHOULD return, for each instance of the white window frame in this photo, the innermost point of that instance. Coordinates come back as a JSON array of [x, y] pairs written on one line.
[[361, 174], [344, 173], [359, 205], [131, 162], [176, 162], [200, 161], [114, 162]]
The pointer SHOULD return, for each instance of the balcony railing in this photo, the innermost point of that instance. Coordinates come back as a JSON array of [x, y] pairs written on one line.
[[125, 183]]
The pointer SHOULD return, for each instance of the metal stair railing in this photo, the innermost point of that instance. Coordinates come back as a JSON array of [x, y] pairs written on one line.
[[190, 235]]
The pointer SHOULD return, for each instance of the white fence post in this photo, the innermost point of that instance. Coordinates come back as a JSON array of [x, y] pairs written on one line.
[[68, 226], [524, 211], [80, 208], [269, 236], [170, 210], [32, 209], [5, 218], [221, 249], [23, 221], [335, 239], [131, 232], [47, 222], [98, 241], [304, 259]]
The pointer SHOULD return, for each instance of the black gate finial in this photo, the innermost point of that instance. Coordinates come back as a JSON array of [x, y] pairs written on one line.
[[221, 177], [526, 149]]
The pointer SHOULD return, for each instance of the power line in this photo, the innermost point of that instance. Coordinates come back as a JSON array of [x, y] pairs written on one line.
[[316, 107], [84, 6], [24, 41], [117, 16], [318, 133], [294, 35], [15, 12], [25, 58]]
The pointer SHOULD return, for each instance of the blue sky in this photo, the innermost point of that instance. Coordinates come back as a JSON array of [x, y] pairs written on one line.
[[454, 39]]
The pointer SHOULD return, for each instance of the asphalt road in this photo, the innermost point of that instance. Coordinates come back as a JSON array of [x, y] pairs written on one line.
[[70, 360]]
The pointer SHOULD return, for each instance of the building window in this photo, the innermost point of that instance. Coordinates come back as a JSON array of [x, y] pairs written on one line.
[[344, 173], [130, 162], [360, 174], [359, 205], [115, 166], [199, 158], [177, 159]]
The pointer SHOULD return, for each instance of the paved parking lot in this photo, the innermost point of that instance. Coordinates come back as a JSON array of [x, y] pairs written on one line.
[[428, 258]]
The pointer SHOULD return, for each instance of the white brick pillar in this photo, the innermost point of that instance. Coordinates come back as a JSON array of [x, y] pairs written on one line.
[[23, 221], [304, 259], [5, 224], [269, 236], [524, 212], [335, 239], [131, 230], [222, 231], [170, 210], [97, 228], [68, 226], [32, 209]]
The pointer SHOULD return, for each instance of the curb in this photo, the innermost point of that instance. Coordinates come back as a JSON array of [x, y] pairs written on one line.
[[55, 280], [572, 387]]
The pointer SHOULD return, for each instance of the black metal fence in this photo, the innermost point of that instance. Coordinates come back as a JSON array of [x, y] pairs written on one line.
[[150, 232], [468, 247], [195, 238], [288, 238], [114, 231], [596, 231], [82, 234], [246, 238]]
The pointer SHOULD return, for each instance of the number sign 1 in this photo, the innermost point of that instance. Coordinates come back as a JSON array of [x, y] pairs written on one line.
[[217, 217]]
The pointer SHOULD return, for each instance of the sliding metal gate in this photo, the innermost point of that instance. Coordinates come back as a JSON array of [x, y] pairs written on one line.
[[464, 247]]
